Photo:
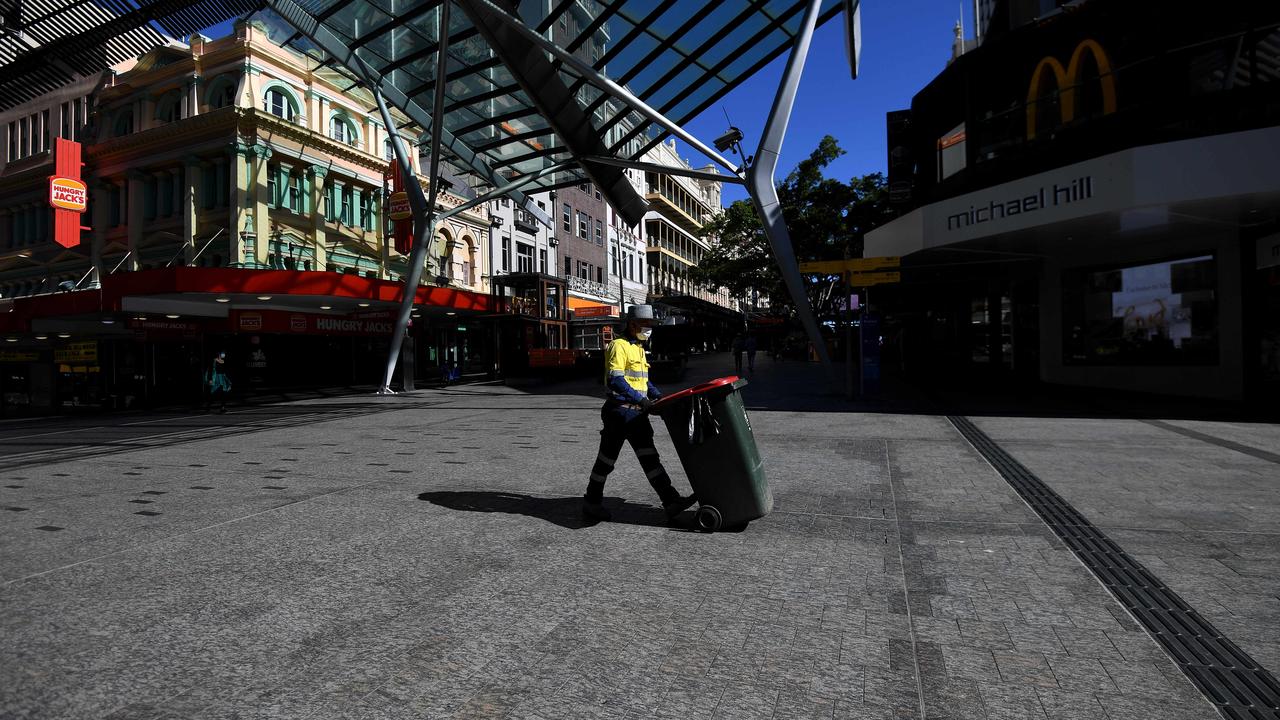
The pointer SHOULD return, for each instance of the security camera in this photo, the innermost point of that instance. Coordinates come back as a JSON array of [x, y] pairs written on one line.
[[729, 139]]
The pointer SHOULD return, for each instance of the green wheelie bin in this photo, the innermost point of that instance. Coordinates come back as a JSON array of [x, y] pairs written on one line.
[[712, 435]]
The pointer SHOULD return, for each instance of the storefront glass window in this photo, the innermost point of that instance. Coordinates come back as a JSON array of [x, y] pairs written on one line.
[[1160, 314]]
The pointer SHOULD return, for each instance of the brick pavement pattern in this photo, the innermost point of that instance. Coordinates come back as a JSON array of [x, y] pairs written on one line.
[[421, 556]]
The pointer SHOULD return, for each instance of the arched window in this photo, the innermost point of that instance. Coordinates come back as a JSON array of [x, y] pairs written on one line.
[[123, 124], [280, 103], [343, 130], [169, 108], [222, 93]]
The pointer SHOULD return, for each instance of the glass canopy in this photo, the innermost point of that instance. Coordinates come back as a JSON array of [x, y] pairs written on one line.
[[512, 108]]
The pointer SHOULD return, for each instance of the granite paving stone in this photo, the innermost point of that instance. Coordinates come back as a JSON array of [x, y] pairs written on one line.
[[898, 577]]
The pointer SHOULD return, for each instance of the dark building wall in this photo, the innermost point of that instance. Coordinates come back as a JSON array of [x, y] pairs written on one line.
[[573, 249]]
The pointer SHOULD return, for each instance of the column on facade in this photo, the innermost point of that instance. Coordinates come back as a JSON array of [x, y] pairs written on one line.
[[190, 206], [192, 99], [239, 199], [316, 174], [322, 118], [261, 205], [135, 203], [245, 86]]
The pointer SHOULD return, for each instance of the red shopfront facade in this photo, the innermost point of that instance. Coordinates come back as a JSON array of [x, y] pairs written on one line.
[[146, 338]]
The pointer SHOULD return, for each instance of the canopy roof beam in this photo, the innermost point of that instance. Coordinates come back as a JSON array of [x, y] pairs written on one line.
[[584, 70]]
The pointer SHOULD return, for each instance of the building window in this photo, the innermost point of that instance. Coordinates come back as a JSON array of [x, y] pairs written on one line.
[[542, 261], [599, 233], [328, 203], [568, 266], [584, 222], [277, 102], [524, 257], [123, 124], [568, 218], [273, 186], [599, 275], [951, 153], [169, 109], [342, 130], [388, 151], [13, 140], [506, 254], [295, 193], [1160, 314], [344, 215], [368, 211], [223, 95]]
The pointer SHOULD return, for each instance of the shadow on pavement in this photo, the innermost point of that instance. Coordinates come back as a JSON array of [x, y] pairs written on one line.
[[563, 511]]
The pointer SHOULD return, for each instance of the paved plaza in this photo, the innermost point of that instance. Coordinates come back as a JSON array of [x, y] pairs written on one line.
[[422, 556]]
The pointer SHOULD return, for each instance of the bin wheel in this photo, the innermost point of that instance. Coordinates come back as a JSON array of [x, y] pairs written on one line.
[[708, 519]]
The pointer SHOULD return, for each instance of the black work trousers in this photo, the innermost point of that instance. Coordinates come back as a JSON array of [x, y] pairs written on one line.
[[623, 424]]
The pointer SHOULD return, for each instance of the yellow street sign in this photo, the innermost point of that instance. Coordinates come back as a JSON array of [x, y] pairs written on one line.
[[837, 267], [866, 279]]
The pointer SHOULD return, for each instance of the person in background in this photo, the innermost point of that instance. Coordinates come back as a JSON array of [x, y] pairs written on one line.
[[737, 348], [626, 419], [219, 384], [750, 346]]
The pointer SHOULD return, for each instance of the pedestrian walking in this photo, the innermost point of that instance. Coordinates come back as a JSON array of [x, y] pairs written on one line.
[[750, 345], [625, 416], [737, 347], [218, 383]]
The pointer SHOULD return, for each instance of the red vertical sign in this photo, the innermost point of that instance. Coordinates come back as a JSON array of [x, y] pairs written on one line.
[[68, 196], [401, 229]]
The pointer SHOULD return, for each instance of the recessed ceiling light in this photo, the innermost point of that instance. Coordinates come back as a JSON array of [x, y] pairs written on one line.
[[325, 307], [363, 304], [108, 321], [264, 297], [64, 335], [11, 339], [173, 317], [223, 299], [451, 313], [42, 337]]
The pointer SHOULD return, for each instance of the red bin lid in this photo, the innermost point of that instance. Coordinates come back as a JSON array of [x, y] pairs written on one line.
[[696, 390]]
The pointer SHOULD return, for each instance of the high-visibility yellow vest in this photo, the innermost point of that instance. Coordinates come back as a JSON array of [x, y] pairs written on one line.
[[627, 359]]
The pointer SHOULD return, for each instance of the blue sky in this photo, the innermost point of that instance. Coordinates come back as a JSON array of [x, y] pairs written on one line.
[[905, 43]]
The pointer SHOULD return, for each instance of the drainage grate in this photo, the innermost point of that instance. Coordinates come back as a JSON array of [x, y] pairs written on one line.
[[1233, 681]]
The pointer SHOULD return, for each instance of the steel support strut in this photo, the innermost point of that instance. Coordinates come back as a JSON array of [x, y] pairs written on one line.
[[764, 195], [424, 209]]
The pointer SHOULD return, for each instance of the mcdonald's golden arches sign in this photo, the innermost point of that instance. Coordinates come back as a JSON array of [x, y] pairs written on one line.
[[1068, 83]]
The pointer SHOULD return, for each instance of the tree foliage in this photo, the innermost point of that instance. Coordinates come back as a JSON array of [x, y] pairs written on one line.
[[827, 220]]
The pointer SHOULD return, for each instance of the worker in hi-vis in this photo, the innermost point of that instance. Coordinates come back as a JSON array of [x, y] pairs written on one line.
[[626, 418]]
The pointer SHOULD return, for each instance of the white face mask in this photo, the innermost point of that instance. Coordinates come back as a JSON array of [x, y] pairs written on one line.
[[644, 333]]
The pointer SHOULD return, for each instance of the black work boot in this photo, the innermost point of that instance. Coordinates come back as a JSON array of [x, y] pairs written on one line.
[[677, 505], [592, 502]]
